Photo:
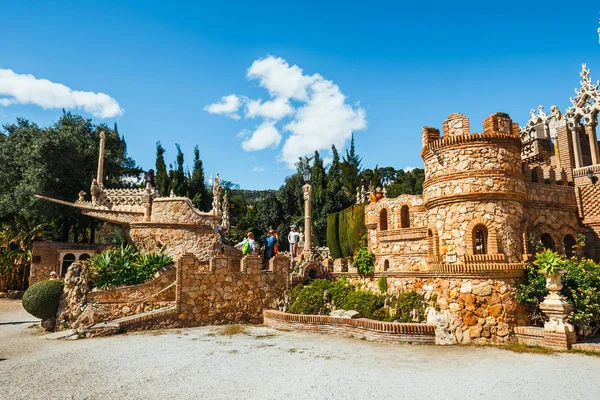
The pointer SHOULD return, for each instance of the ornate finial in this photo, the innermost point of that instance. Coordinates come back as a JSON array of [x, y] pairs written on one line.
[[585, 75], [102, 135], [172, 194]]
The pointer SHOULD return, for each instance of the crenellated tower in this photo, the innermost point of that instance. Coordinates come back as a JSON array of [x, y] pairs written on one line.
[[474, 192]]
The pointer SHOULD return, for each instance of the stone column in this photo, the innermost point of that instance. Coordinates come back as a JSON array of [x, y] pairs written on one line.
[[576, 148], [558, 333], [100, 174], [307, 189], [590, 131]]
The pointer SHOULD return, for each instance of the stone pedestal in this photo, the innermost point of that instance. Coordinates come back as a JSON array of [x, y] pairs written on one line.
[[558, 333]]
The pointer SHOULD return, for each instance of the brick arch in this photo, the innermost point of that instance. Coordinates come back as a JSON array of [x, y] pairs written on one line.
[[433, 242], [525, 232], [543, 228], [492, 238]]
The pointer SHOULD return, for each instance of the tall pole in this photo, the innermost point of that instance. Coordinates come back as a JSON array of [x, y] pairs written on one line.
[[307, 189], [101, 159]]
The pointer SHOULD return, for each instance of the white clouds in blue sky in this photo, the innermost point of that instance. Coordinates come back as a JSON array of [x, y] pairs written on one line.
[[312, 109], [28, 90]]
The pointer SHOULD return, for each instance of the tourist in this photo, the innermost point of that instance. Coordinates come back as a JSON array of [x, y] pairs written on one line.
[[293, 239], [248, 245], [53, 276], [270, 242], [276, 234]]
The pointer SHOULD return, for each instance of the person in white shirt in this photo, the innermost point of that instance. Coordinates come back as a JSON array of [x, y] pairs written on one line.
[[293, 239], [250, 239]]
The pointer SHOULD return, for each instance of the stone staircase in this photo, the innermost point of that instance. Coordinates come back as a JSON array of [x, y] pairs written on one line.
[[132, 321]]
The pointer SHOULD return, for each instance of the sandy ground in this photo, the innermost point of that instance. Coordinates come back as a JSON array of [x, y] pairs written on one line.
[[262, 363]]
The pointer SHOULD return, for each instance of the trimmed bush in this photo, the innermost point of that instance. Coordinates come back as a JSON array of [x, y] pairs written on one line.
[[339, 291], [333, 239], [41, 300]]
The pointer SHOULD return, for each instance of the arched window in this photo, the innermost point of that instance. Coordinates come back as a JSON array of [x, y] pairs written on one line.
[[68, 259], [569, 242], [386, 265], [547, 241], [383, 221], [480, 237], [404, 217], [429, 242], [84, 257]]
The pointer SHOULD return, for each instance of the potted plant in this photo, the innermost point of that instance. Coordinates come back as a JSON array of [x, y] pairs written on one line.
[[550, 265]]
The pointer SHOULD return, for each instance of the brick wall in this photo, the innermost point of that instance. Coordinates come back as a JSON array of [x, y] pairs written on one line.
[[361, 327]]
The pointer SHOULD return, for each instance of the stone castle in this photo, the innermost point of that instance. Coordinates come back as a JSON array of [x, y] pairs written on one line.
[[489, 198]]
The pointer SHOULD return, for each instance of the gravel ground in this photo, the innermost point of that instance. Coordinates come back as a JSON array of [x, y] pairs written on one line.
[[259, 362]]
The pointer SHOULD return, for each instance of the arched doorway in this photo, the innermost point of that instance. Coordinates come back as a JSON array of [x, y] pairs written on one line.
[[67, 260], [547, 241], [569, 243]]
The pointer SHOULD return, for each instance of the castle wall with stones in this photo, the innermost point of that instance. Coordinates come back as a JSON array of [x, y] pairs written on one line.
[[474, 308], [229, 291]]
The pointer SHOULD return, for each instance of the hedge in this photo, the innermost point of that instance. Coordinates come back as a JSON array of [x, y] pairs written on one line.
[[41, 300], [345, 229], [333, 239]]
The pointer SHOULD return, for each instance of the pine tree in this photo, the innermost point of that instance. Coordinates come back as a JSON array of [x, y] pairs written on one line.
[[351, 168], [197, 188], [162, 177]]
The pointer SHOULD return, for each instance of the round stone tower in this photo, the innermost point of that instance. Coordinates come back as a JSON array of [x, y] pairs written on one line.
[[474, 191]]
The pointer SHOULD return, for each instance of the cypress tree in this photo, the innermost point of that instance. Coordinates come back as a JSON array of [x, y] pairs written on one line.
[[162, 178]]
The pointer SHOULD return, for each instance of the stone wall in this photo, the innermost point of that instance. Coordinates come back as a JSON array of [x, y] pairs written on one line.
[[229, 291], [180, 210], [131, 300], [477, 308]]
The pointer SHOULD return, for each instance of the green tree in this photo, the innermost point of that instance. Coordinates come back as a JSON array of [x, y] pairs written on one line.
[[351, 168], [162, 176], [197, 187]]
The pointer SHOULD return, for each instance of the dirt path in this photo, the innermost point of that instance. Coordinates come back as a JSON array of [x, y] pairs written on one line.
[[259, 362]]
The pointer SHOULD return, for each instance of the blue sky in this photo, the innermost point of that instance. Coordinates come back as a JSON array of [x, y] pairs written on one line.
[[400, 67]]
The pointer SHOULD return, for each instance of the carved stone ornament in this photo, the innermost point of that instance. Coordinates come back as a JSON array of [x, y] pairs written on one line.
[[586, 103]]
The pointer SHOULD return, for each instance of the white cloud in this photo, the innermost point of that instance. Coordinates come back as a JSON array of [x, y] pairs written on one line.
[[408, 169], [258, 169], [323, 116], [326, 119], [274, 110], [229, 105], [27, 89], [281, 80], [266, 135]]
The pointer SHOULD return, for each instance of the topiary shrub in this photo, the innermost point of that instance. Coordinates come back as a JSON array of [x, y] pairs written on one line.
[[41, 299], [410, 304]]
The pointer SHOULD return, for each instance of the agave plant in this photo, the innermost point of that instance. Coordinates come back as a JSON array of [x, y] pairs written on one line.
[[124, 266], [548, 262]]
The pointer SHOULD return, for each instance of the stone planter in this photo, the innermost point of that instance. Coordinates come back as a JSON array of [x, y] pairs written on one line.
[[553, 281]]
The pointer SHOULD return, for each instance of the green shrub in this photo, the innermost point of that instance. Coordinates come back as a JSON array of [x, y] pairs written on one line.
[[382, 285], [580, 288], [124, 266], [312, 299], [41, 300], [364, 260], [368, 304], [409, 303], [295, 292], [339, 291]]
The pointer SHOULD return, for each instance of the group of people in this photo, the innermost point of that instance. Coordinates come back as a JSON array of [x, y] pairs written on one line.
[[271, 243]]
